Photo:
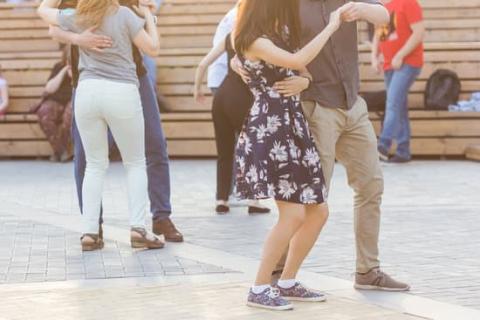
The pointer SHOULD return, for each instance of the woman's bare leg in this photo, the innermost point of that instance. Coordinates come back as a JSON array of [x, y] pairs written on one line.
[[304, 239], [291, 218]]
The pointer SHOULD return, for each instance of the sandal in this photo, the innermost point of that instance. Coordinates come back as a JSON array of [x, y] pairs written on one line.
[[141, 239], [91, 242]]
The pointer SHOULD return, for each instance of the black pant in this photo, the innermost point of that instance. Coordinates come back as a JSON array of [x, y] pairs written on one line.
[[231, 104]]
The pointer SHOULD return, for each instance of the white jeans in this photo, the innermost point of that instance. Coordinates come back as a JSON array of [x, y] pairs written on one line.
[[103, 104]]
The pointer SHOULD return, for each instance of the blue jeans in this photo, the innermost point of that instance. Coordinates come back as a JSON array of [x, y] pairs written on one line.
[[396, 125], [151, 66], [156, 153]]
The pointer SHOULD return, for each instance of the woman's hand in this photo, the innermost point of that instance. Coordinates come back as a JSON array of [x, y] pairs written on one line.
[[336, 19], [292, 86]]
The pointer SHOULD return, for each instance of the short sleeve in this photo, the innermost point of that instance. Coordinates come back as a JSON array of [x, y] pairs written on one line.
[[413, 11], [370, 1], [66, 20], [3, 83], [133, 22]]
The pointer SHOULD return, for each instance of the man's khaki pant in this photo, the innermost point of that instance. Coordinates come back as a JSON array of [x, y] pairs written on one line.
[[349, 137]]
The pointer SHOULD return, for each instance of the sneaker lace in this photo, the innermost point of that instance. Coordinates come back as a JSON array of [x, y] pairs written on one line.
[[274, 293]]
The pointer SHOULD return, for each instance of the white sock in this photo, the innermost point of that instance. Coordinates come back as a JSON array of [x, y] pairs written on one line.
[[222, 203], [260, 289], [286, 284], [255, 203]]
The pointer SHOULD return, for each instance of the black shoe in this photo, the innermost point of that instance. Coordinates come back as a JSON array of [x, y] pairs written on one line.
[[257, 210], [398, 159], [222, 209], [100, 231], [383, 153]]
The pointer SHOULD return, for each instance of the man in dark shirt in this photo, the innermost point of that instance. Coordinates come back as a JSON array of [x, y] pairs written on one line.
[[338, 119], [155, 144]]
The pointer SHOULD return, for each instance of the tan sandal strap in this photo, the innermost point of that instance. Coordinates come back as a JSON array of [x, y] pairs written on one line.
[[92, 236]]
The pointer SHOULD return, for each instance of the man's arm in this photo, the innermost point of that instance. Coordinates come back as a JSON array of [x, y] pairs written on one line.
[[294, 85], [86, 39], [371, 11]]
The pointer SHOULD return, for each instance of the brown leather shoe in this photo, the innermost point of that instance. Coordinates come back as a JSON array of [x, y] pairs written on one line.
[[168, 229]]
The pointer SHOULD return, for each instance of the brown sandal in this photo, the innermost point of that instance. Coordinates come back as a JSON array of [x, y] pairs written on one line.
[[141, 239], [91, 242]]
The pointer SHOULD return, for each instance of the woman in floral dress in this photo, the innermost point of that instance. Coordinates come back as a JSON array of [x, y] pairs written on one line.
[[276, 156]]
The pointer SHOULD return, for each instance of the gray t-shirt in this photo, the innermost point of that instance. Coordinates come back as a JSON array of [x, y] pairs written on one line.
[[115, 63]]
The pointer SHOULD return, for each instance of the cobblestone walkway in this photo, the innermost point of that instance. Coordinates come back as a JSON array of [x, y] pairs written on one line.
[[36, 252], [430, 235], [179, 302]]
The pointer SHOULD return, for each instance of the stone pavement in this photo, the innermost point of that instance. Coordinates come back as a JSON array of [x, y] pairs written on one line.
[[180, 302], [430, 236]]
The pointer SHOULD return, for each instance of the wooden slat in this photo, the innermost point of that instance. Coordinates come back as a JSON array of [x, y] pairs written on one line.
[[192, 148], [186, 26], [473, 152], [25, 149]]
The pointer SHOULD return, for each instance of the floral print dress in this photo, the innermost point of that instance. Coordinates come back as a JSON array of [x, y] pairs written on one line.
[[276, 156]]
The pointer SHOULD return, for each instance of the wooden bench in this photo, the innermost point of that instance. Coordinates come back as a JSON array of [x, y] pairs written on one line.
[[473, 152], [187, 27]]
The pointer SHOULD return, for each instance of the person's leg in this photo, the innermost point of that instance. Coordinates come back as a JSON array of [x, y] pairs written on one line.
[[383, 152], [403, 137], [304, 239], [325, 125], [399, 83], [124, 116], [92, 130], [299, 229], [49, 114], [291, 217], [79, 161], [123, 112], [151, 66], [300, 245], [65, 129], [158, 170], [225, 141], [357, 151], [156, 153]]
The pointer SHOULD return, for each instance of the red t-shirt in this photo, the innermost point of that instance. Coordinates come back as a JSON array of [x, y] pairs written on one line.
[[403, 13]]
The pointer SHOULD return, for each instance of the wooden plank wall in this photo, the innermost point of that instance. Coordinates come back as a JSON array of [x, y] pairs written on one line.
[[27, 54]]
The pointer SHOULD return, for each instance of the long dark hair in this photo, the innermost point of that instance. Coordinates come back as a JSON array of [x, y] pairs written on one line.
[[257, 18]]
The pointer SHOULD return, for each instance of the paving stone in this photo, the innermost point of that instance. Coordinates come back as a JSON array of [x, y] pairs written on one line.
[[430, 235]]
